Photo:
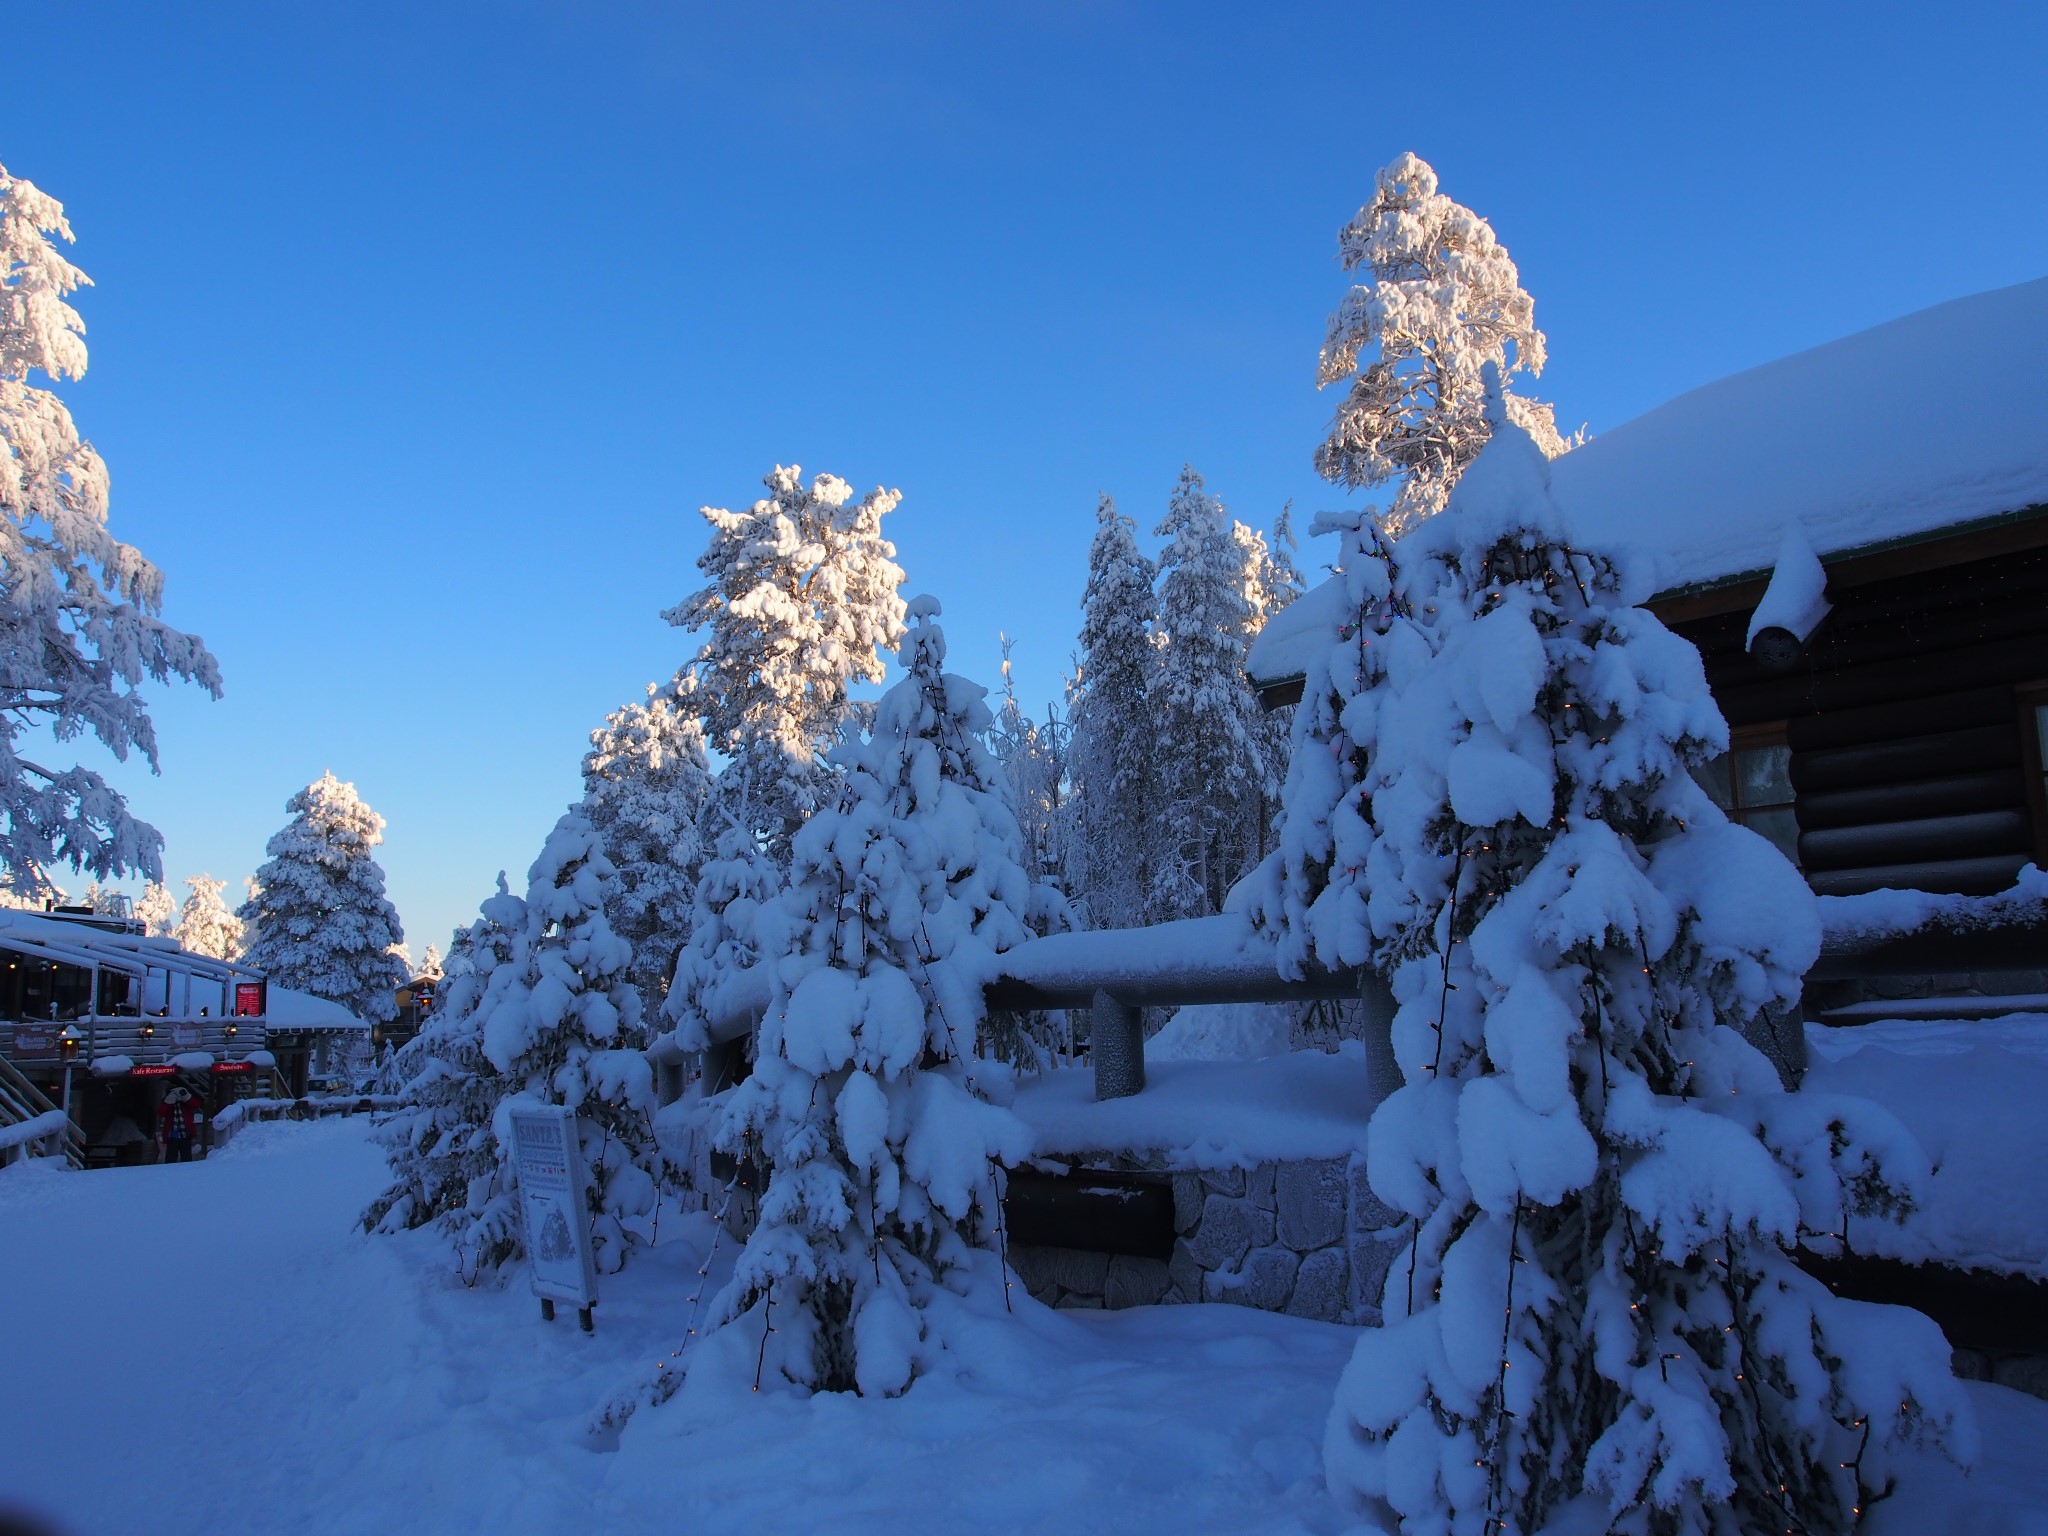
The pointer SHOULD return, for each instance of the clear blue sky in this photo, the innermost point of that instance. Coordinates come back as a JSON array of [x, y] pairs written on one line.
[[422, 329]]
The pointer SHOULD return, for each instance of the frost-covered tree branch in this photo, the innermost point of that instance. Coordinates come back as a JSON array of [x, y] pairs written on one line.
[[79, 625]]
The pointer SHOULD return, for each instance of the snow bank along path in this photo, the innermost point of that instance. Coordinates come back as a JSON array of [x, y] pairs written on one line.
[[213, 1348]]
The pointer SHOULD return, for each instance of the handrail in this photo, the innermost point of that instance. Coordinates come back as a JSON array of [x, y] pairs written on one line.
[[1222, 959], [38, 1103]]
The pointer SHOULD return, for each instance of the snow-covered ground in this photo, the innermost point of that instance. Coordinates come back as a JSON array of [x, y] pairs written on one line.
[[1972, 1093], [213, 1348]]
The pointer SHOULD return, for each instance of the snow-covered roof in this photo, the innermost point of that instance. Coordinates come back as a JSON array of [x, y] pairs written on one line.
[[1925, 422], [1297, 633], [88, 943], [288, 1011]]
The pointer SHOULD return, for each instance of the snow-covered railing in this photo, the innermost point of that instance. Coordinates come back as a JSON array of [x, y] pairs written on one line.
[[246, 1111], [1912, 933], [50, 1128], [1114, 973]]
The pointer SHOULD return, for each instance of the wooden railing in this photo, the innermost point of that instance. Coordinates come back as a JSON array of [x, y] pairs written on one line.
[[22, 1103]]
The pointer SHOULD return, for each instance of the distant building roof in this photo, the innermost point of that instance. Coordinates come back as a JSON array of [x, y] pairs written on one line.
[[289, 1012]]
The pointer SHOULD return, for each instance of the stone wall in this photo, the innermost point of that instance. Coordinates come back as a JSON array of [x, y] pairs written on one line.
[[1306, 1238]]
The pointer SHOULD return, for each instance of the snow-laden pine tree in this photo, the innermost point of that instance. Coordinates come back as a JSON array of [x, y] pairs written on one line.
[[1442, 300], [1599, 1301], [205, 925], [447, 1165], [317, 916], [157, 911], [1208, 767], [735, 883], [563, 1027], [645, 784], [1033, 758], [1310, 895], [869, 1105], [1113, 751], [1272, 582], [431, 967], [800, 602], [79, 631]]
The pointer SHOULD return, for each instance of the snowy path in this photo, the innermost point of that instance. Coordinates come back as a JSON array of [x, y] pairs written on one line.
[[214, 1349]]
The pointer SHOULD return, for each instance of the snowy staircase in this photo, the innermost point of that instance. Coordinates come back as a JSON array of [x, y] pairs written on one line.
[[24, 1105]]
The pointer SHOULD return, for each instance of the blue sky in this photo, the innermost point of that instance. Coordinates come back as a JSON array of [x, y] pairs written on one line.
[[421, 330]]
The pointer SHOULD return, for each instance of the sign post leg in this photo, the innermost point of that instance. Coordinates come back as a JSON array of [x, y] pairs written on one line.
[[583, 1317], [547, 1310]]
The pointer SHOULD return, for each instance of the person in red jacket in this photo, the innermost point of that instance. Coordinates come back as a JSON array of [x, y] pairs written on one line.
[[178, 1122]]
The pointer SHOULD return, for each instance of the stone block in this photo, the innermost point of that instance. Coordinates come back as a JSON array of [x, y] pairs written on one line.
[[1258, 1185], [1230, 1229], [1309, 1202], [1135, 1282], [1322, 1286], [1369, 1213], [1188, 1193], [1071, 1269], [1225, 1181], [1074, 1303], [1371, 1258], [1265, 1280], [1184, 1274]]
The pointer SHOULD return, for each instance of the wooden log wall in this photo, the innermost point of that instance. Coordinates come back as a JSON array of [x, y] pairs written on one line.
[[1909, 767]]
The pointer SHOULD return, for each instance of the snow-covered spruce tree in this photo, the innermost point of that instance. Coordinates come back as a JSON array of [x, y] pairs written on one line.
[[1599, 1301], [800, 602], [645, 784], [317, 915], [735, 882], [205, 925], [1113, 751], [869, 1106], [1033, 758], [157, 910], [447, 1166], [431, 967], [79, 632], [1442, 300], [1310, 895], [1209, 769], [565, 1029]]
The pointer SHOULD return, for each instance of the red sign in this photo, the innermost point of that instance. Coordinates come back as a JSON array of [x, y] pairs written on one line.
[[249, 999], [155, 1069], [234, 1066]]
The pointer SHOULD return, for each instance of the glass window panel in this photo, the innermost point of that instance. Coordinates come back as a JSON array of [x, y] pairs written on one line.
[[1764, 775], [1780, 826], [1713, 778], [2041, 730]]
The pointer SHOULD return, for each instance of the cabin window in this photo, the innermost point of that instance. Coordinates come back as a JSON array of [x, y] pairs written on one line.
[[1752, 782]]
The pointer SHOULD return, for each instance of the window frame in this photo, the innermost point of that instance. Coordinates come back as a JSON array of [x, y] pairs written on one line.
[[1751, 738]]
